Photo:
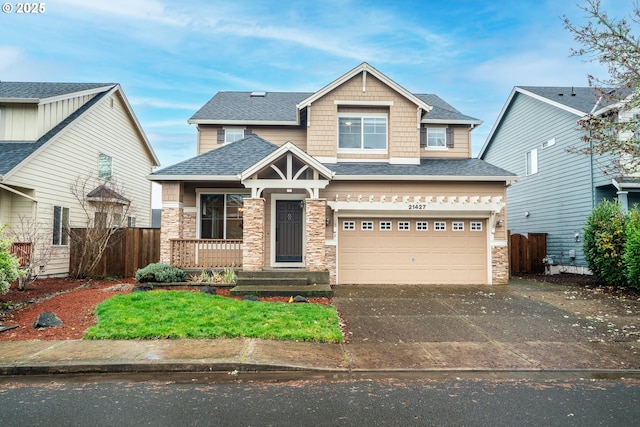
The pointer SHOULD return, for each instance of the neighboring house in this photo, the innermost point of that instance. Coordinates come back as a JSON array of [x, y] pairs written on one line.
[[53, 133], [557, 190], [361, 178]]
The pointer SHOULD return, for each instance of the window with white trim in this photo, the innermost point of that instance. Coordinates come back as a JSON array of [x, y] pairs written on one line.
[[385, 225], [366, 225], [233, 135], [457, 226], [348, 225], [436, 137], [60, 226], [476, 226], [404, 226], [221, 216], [105, 166], [422, 225], [532, 162], [440, 226], [362, 132]]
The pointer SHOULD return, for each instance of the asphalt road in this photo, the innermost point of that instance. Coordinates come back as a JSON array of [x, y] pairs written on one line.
[[452, 402]]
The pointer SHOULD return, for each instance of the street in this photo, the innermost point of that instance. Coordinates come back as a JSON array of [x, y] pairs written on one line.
[[388, 402]]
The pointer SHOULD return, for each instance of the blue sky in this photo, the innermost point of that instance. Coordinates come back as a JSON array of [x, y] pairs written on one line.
[[171, 56]]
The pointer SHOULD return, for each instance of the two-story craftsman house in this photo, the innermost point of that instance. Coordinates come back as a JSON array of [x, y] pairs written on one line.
[[362, 179]]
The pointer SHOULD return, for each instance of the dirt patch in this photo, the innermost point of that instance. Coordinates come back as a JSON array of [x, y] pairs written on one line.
[[74, 302]]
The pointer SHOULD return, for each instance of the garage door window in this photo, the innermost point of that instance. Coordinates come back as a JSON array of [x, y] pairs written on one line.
[[422, 225], [385, 225], [476, 226], [348, 225], [366, 225], [457, 226], [440, 226], [404, 226]]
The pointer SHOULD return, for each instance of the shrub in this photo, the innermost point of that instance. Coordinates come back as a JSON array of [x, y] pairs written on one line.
[[631, 257], [604, 238], [9, 264], [161, 273]]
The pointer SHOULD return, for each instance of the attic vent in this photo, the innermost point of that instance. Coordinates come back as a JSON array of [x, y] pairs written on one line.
[[258, 94]]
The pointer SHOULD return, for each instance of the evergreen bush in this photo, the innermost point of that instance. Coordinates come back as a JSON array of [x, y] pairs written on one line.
[[161, 273], [631, 257]]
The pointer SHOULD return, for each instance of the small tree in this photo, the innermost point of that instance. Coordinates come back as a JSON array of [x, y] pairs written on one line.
[[631, 257], [604, 239], [611, 42], [105, 211], [9, 264], [28, 231]]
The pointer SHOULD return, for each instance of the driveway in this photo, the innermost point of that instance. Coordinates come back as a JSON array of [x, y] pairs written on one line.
[[525, 324]]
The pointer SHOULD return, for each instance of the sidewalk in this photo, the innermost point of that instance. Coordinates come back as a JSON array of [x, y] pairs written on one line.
[[514, 328]]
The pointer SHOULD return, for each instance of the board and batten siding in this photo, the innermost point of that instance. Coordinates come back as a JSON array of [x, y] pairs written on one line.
[[559, 197], [51, 173]]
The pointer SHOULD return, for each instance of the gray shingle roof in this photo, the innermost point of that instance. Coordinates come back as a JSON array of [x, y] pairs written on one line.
[[41, 90], [274, 106], [427, 167], [442, 110], [228, 160], [14, 152], [231, 159], [583, 99]]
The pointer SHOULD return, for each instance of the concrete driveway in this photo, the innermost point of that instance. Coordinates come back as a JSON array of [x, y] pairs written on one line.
[[523, 325]]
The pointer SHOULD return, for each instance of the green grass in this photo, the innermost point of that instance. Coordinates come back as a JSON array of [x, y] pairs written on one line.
[[181, 314]]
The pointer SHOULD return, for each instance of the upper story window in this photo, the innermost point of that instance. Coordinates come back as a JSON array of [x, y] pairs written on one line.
[[233, 135], [437, 138], [105, 166], [532, 162], [362, 132]]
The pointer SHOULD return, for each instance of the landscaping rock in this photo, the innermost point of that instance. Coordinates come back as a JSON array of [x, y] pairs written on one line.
[[47, 320], [250, 298], [208, 290], [143, 288], [300, 298]]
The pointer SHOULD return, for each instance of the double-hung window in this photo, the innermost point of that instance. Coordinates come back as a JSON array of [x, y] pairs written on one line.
[[60, 226], [362, 132], [436, 138], [221, 216], [532, 162]]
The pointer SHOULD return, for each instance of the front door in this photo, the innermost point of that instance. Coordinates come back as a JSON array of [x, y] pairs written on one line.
[[288, 231]]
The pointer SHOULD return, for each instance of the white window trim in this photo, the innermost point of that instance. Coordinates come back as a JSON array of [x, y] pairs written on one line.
[[476, 226], [437, 147], [362, 150], [457, 226], [369, 225], [390, 223], [348, 225], [531, 158], [235, 129], [436, 224], [61, 225], [425, 225], [403, 224], [101, 154]]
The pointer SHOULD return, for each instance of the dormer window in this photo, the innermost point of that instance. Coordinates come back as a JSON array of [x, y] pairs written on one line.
[[362, 132]]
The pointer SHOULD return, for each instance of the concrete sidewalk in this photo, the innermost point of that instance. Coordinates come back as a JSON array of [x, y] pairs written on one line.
[[522, 327]]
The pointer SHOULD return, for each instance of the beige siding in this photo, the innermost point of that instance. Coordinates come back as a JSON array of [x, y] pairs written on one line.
[[52, 113], [105, 129], [208, 136], [461, 144], [18, 122], [403, 137]]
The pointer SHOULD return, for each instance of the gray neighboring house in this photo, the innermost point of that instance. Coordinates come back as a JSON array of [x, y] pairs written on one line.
[[557, 189]]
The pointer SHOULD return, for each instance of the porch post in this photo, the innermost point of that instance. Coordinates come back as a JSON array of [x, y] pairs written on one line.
[[253, 235], [315, 256], [172, 218]]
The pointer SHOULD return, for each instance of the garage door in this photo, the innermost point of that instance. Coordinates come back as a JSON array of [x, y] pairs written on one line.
[[410, 251]]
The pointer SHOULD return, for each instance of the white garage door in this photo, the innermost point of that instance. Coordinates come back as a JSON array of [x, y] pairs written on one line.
[[410, 251]]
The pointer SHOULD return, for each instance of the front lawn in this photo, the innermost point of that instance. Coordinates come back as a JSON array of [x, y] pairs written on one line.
[[182, 314]]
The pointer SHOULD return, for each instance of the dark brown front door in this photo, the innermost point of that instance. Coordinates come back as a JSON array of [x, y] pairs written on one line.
[[288, 231]]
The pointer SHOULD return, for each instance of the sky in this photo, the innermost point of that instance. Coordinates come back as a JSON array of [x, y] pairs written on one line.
[[172, 56]]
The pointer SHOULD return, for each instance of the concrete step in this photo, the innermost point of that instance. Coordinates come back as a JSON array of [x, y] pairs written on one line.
[[270, 281], [309, 277], [283, 290]]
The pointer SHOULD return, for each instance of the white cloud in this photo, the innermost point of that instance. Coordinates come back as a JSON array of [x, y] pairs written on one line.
[[146, 10], [162, 103]]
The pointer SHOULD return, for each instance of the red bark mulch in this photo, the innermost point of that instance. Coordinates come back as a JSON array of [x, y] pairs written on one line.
[[74, 302]]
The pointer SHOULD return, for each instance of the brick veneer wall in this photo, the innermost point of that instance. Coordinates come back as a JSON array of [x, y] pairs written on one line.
[[500, 265], [253, 235], [315, 230], [172, 224]]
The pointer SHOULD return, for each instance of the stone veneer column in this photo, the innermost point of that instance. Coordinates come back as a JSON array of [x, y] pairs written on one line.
[[253, 235], [314, 234], [500, 265], [171, 228]]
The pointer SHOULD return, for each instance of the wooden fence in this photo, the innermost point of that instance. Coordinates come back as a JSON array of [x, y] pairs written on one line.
[[129, 250], [22, 250], [526, 252]]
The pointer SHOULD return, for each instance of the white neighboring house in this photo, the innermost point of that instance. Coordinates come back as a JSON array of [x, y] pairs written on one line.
[[53, 133]]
